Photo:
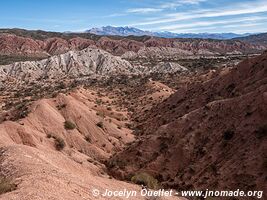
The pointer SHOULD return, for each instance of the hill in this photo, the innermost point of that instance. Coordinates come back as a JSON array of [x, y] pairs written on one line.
[[255, 39], [208, 134]]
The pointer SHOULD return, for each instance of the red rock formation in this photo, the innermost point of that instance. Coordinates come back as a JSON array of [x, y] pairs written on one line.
[[25, 46], [11, 44]]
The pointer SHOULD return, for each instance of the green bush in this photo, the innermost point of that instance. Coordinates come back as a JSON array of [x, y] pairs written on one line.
[[59, 143], [145, 179], [69, 125], [6, 186]]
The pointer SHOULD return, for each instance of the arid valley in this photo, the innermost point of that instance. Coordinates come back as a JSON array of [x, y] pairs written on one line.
[[134, 100], [81, 113]]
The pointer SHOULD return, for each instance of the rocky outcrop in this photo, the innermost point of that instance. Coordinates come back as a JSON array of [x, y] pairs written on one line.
[[87, 62], [15, 45], [166, 67], [78, 64], [23, 46]]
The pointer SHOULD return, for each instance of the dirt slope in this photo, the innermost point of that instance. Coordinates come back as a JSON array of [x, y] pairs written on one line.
[[32, 159], [209, 134]]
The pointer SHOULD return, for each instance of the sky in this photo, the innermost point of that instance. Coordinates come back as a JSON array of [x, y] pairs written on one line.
[[179, 16]]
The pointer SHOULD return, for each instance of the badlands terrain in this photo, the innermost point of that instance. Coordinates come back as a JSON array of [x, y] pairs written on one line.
[[80, 112]]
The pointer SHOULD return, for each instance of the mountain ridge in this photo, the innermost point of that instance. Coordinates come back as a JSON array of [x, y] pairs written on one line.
[[127, 31], [15, 42]]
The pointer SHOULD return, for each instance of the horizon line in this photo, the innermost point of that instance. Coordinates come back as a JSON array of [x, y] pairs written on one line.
[[84, 30]]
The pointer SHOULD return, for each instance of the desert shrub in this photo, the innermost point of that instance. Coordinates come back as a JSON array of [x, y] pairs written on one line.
[[109, 108], [163, 147], [59, 143], [213, 168], [98, 101], [128, 125], [101, 114], [262, 131], [228, 135], [88, 139], [116, 163], [59, 107], [22, 111], [100, 124], [264, 164], [145, 179], [69, 125], [6, 185]]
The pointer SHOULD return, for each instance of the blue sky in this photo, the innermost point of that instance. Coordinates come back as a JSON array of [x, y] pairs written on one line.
[[180, 16]]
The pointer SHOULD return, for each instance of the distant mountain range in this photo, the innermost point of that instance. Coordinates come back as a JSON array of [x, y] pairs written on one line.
[[127, 31]]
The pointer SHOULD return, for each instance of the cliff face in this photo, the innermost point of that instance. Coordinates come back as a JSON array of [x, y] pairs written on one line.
[[209, 134]]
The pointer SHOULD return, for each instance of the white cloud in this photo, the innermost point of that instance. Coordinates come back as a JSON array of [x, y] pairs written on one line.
[[163, 6], [143, 10], [222, 12], [210, 23], [174, 4], [225, 28], [242, 25], [115, 15]]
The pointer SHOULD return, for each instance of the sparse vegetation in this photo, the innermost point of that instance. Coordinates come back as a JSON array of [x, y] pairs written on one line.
[[60, 107], [117, 163], [262, 131], [69, 125], [228, 135], [100, 125], [88, 138], [163, 147], [99, 101], [145, 179], [5, 59], [6, 185], [264, 164], [59, 143]]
